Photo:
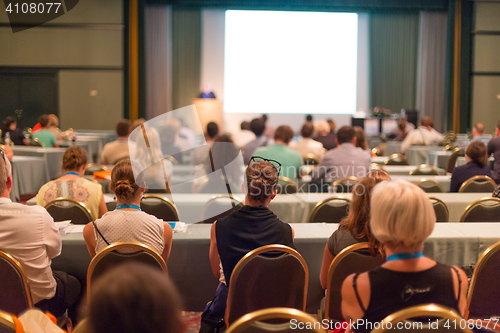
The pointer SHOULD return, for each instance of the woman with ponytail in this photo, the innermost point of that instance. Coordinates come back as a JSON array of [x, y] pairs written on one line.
[[127, 223], [72, 185], [252, 226]]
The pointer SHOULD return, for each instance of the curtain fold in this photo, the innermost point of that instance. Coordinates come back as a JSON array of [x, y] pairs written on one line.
[[431, 68], [393, 38], [186, 56], [158, 44]]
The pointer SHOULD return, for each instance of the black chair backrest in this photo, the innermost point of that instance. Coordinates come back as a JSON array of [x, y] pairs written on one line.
[[430, 186], [332, 211], [482, 210], [72, 212], [260, 282], [14, 290], [483, 300], [351, 262], [440, 209], [286, 186], [158, 207], [452, 160], [478, 184], [425, 170], [219, 207]]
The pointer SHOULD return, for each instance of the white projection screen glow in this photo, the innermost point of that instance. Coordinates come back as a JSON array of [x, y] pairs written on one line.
[[290, 62]]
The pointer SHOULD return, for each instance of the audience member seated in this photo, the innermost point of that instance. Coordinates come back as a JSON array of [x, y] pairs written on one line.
[[269, 130], [424, 135], [187, 134], [478, 132], [477, 164], [361, 140], [333, 127], [44, 135], [222, 154], [134, 298], [200, 154], [118, 149], [494, 148], [29, 234], [171, 145], [244, 135], [403, 129], [346, 160], [355, 228], [257, 126], [244, 230], [402, 218], [54, 127], [137, 123], [16, 134], [127, 223], [72, 185], [307, 145], [291, 161], [309, 118], [324, 134]]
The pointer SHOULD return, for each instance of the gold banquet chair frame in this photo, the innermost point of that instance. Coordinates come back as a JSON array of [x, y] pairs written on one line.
[[477, 180], [393, 160], [283, 188], [113, 249], [452, 160], [487, 290], [323, 203], [345, 182], [7, 324], [425, 310], [163, 201], [436, 202], [23, 281], [419, 171], [241, 265], [310, 159], [206, 206], [369, 262], [470, 208], [251, 321], [80, 206], [428, 189]]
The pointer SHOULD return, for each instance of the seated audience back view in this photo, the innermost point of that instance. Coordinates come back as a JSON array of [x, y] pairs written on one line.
[[307, 145], [244, 230], [29, 234], [478, 132], [477, 165], [424, 135], [134, 298], [291, 161], [9, 125], [127, 223], [325, 134], [346, 160], [494, 148], [355, 228], [117, 150], [257, 126], [244, 135], [44, 135], [72, 185], [200, 154], [402, 218]]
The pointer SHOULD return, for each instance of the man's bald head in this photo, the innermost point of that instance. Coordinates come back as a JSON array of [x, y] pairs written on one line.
[[478, 130]]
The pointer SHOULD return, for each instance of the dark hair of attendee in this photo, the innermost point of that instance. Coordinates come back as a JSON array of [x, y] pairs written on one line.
[[284, 133], [123, 127], [257, 126], [307, 130], [43, 120], [478, 153], [264, 118], [245, 125], [427, 122], [123, 181], [360, 138], [358, 220], [212, 130], [73, 159], [262, 178], [7, 121], [135, 297], [332, 125], [309, 118], [345, 134]]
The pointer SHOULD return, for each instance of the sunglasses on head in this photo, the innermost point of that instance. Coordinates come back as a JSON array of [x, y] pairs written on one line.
[[275, 164]]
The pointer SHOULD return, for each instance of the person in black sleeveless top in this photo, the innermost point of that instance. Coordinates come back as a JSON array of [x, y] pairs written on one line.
[[402, 218], [244, 230]]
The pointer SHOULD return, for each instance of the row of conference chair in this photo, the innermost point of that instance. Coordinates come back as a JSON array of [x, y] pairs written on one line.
[[261, 272]]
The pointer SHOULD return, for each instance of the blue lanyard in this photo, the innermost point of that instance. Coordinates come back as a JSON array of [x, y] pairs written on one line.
[[405, 256], [122, 206], [71, 173]]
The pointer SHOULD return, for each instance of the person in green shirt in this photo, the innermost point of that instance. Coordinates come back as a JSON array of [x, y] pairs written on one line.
[[291, 161], [43, 135]]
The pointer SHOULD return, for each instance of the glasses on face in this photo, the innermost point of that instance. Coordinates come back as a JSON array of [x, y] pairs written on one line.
[[276, 164]]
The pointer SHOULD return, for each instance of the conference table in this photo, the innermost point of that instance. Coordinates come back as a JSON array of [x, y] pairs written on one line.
[[417, 155], [85, 145], [458, 244], [29, 173], [52, 156]]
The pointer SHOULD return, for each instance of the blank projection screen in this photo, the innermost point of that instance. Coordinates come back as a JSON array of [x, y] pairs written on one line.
[[290, 62]]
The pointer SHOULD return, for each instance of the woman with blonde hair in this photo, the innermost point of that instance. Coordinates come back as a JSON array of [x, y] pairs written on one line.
[[72, 185], [355, 228], [402, 218]]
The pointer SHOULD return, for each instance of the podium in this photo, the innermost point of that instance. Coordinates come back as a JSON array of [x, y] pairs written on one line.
[[209, 109]]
